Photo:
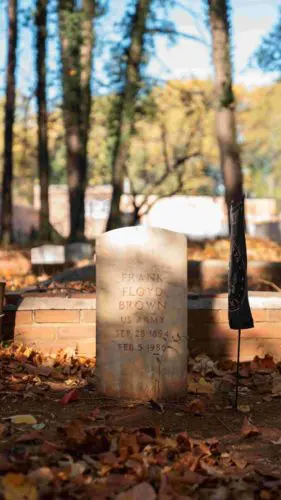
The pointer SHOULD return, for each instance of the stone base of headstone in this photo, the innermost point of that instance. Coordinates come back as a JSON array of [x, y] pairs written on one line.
[[142, 313]]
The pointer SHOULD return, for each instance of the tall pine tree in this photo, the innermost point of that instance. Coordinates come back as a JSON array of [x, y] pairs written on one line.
[[219, 21], [42, 120], [7, 204], [77, 43]]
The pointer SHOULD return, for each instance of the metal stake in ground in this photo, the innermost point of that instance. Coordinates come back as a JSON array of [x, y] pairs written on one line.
[[237, 370], [239, 312]]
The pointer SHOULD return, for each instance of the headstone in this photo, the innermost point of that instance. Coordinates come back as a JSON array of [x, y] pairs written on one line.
[[74, 252], [142, 313], [48, 254]]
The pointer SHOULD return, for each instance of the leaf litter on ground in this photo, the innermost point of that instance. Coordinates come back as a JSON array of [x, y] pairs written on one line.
[[87, 459]]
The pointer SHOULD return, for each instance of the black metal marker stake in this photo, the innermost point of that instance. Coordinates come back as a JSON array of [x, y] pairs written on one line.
[[237, 370]]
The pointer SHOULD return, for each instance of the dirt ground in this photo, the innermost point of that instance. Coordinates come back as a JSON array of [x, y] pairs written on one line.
[[60, 439]]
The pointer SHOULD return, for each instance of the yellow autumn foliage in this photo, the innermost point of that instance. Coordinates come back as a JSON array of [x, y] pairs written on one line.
[[172, 122]]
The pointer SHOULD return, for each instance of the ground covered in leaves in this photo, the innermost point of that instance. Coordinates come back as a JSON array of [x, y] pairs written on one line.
[[16, 266], [60, 439], [257, 249]]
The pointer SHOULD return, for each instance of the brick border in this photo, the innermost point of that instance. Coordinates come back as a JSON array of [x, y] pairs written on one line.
[[52, 323]]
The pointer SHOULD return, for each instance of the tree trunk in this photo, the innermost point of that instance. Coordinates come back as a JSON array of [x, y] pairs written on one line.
[[225, 101], [42, 121], [127, 110], [7, 205], [76, 34]]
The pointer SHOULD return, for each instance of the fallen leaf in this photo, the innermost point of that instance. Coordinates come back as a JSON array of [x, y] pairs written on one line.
[[72, 469], [108, 458], [277, 442], [129, 443], [248, 429], [23, 419], [267, 398], [69, 396], [44, 371], [196, 406], [265, 364], [265, 495], [238, 460], [57, 375], [189, 477], [75, 432], [70, 381], [41, 476], [18, 487], [49, 448], [140, 492], [17, 387], [211, 470], [204, 365], [244, 408], [184, 441], [31, 436]]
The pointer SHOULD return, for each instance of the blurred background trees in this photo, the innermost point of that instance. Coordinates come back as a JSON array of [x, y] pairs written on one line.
[[165, 137]]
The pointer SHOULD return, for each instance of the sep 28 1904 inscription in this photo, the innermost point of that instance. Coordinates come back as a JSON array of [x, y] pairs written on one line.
[[142, 312]]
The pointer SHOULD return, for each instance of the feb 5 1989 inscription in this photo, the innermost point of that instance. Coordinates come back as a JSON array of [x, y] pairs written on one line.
[[142, 313]]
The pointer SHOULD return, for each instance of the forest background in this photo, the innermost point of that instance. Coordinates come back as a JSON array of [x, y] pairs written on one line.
[[71, 67]]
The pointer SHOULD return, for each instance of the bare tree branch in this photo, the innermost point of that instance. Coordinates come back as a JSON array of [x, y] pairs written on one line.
[[172, 32]]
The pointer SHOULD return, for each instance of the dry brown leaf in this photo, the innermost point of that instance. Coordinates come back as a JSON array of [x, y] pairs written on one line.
[[265, 364], [31, 436], [239, 460], [41, 476], [129, 441], [142, 491], [188, 477], [248, 429], [75, 432], [196, 406]]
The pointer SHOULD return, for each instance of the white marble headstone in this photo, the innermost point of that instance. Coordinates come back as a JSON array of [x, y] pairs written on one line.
[[142, 313]]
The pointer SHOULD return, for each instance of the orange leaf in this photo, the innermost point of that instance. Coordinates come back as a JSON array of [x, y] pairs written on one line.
[[69, 396]]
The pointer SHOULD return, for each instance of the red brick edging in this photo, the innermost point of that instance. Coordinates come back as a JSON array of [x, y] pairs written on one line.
[[52, 323]]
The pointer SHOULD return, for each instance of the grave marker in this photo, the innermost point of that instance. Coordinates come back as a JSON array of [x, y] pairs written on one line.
[[48, 254], [142, 313]]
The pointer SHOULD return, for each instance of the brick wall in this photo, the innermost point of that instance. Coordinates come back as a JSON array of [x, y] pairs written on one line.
[[52, 323]]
